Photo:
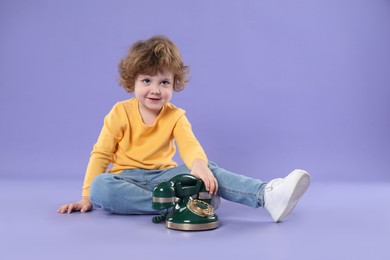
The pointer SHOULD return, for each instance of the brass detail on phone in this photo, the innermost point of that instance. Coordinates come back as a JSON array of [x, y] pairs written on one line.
[[164, 200], [193, 227], [200, 208]]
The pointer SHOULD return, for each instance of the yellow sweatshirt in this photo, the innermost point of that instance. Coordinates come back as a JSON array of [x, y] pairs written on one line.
[[127, 143]]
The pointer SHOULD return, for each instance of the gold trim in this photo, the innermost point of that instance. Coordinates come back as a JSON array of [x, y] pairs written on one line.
[[192, 227], [164, 200], [192, 205]]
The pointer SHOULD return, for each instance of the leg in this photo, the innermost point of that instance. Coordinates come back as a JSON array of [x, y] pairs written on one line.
[[279, 197], [120, 194], [130, 192], [238, 188]]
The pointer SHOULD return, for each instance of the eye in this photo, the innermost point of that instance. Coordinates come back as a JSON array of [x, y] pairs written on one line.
[[146, 81], [165, 83]]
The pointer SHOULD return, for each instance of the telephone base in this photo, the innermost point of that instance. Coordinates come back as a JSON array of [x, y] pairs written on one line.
[[183, 217], [192, 227]]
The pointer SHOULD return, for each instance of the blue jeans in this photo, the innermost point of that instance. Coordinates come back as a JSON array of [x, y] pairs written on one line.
[[130, 192]]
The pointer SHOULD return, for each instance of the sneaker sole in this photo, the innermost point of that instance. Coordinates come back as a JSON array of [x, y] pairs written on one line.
[[301, 182]]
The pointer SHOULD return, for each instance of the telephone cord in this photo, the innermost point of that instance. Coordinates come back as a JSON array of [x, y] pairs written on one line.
[[160, 218]]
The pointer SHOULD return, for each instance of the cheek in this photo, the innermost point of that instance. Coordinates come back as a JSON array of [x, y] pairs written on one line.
[[139, 91], [167, 94]]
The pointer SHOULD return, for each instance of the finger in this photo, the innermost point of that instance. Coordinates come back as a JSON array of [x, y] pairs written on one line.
[[207, 185], [212, 187], [70, 208], [62, 209], [85, 208], [216, 186]]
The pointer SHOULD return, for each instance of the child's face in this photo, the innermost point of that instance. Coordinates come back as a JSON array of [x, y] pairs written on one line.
[[154, 91]]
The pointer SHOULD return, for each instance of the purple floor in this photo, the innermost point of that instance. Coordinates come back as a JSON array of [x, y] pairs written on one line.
[[332, 221]]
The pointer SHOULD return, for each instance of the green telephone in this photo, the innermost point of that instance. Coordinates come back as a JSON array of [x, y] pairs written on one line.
[[190, 203]]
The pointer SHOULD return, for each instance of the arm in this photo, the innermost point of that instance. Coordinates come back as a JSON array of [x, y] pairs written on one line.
[[101, 157], [193, 154], [104, 149], [202, 171]]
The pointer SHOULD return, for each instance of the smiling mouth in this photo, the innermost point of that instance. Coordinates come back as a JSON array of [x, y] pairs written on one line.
[[155, 99]]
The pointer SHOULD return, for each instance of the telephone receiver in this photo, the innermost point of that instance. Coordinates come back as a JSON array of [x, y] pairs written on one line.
[[187, 203]]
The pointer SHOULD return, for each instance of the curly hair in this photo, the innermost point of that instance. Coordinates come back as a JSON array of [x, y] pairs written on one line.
[[150, 57]]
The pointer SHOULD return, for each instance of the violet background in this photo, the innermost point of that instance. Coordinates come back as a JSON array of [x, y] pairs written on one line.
[[275, 85]]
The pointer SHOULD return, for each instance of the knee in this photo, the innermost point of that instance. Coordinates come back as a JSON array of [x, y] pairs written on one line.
[[101, 189], [98, 183]]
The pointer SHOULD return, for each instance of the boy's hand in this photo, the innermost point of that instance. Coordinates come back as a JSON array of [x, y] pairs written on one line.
[[200, 170], [84, 205]]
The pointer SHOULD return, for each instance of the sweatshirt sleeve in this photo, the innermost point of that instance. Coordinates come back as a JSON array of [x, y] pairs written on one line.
[[189, 147], [104, 149]]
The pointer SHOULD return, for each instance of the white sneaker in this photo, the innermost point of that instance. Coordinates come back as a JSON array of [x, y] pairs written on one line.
[[281, 195]]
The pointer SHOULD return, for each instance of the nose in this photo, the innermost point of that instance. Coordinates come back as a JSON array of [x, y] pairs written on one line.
[[155, 90]]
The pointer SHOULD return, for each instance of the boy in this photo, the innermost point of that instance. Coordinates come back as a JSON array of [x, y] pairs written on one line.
[[138, 140]]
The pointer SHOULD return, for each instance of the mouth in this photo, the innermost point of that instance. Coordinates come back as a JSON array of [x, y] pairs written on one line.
[[154, 99]]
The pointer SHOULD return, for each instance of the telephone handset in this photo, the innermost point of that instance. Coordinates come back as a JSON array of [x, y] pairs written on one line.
[[190, 203]]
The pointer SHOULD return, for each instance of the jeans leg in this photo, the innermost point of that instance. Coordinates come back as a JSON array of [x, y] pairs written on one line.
[[232, 187], [130, 192], [238, 188], [119, 194]]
